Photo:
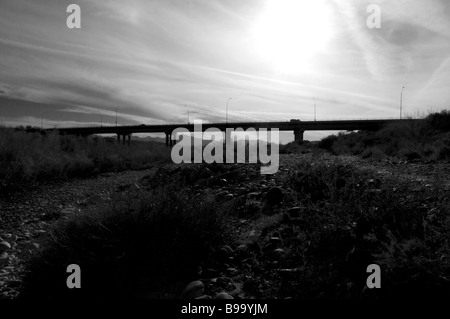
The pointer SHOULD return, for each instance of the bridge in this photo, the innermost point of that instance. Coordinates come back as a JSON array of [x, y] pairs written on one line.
[[295, 125]]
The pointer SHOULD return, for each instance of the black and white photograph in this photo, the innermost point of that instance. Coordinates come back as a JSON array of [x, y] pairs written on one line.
[[256, 151]]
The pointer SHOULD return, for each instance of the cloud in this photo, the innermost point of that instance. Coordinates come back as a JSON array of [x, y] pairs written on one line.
[[150, 58]]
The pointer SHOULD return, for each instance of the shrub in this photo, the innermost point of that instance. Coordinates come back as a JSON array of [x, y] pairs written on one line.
[[29, 156], [132, 249]]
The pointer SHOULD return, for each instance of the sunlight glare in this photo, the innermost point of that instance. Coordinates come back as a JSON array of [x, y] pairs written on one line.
[[289, 32]]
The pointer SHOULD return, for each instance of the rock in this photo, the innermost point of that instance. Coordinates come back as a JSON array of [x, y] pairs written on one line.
[[275, 240], [193, 290], [68, 211], [13, 283], [232, 271], [238, 278], [274, 196], [229, 196], [223, 295], [4, 259], [254, 195], [224, 281], [294, 212], [340, 182], [241, 251], [210, 273], [290, 273], [225, 252], [204, 297], [36, 245], [255, 248], [268, 248], [4, 246], [4, 296]]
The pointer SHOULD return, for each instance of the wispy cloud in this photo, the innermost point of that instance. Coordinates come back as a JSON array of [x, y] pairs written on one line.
[[148, 59]]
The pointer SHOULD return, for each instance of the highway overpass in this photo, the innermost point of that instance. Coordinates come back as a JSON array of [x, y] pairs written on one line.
[[296, 126]]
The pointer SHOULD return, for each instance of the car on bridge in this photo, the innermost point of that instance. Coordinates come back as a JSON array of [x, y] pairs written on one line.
[[294, 120]]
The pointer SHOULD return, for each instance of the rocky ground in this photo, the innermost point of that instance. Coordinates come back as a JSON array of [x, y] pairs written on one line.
[[256, 247]]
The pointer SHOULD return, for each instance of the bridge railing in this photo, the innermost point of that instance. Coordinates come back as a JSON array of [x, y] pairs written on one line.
[[234, 123]]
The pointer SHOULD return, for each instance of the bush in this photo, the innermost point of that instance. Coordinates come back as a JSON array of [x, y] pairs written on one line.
[[327, 142], [131, 249], [29, 156], [408, 139]]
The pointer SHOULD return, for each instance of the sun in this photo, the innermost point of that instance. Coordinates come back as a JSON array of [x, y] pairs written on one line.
[[290, 32]]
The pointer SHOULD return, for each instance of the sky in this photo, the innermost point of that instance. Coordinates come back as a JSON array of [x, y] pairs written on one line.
[[170, 61]]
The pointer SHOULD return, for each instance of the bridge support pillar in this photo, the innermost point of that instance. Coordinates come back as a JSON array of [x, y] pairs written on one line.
[[129, 140], [298, 135], [118, 138], [167, 139]]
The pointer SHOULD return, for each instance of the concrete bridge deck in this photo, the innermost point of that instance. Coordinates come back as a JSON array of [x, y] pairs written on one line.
[[297, 126]]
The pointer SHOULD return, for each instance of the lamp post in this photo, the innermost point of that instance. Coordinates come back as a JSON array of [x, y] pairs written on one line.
[[101, 118], [42, 119], [187, 112], [227, 110], [314, 109], [401, 98], [116, 116]]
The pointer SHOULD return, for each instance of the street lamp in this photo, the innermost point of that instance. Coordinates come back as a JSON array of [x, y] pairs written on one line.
[[101, 118], [401, 98], [314, 109], [227, 110], [116, 116], [42, 119], [187, 112]]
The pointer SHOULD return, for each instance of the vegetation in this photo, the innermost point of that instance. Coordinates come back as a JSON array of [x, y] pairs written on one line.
[[346, 220], [334, 220], [27, 156], [134, 248], [427, 140]]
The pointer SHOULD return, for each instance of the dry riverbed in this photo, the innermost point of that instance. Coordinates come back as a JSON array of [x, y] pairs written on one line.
[[27, 216]]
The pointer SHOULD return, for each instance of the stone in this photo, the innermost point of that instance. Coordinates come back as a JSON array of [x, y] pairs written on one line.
[[210, 273], [204, 297], [255, 248], [223, 295], [290, 273], [294, 212], [224, 252], [4, 246], [275, 240], [224, 281], [241, 251], [254, 195], [4, 259], [193, 290], [4, 296], [232, 271], [274, 196], [340, 182], [68, 211], [229, 196], [13, 283]]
